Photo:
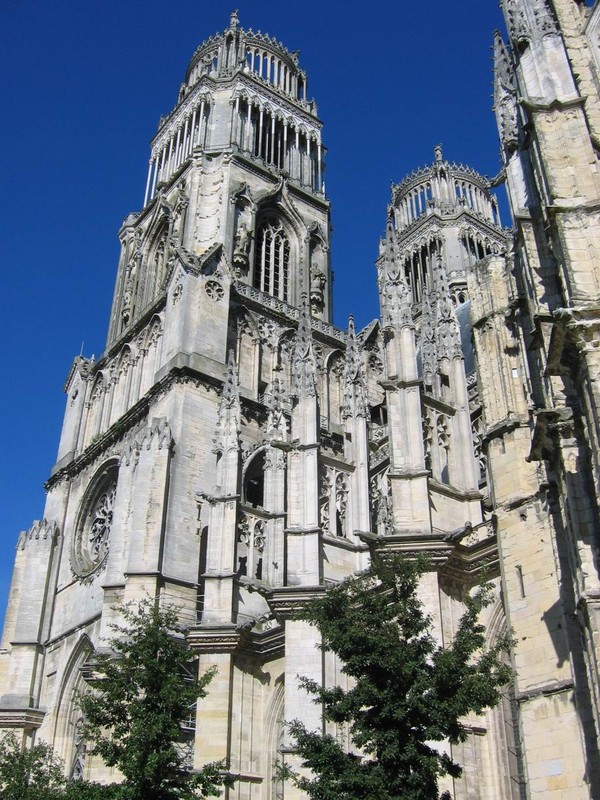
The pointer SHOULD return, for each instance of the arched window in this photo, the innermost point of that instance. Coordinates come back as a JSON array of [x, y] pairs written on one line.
[[272, 259], [254, 481]]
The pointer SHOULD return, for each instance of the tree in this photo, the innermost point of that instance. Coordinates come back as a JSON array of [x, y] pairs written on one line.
[[407, 691], [29, 774], [142, 693]]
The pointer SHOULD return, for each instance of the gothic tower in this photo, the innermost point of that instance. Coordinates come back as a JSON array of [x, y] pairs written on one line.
[[216, 455], [233, 453]]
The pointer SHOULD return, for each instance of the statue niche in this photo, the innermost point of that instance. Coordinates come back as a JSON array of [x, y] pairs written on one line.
[[318, 275], [243, 236]]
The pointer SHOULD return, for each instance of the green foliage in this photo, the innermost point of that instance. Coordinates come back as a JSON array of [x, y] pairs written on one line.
[[32, 774], [38, 774], [407, 693], [82, 790], [142, 694]]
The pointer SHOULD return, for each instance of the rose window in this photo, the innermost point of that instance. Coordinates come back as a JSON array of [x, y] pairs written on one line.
[[93, 532]]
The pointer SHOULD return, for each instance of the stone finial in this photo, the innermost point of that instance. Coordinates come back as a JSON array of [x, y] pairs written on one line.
[[41, 532], [516, 20], [503, 68], [505, 96], [528, 19], [437, 153], [395, 296], [229, 414], [277, 423], [544, 17], [234, 19], [304, 368], [447, 331], [355, 390], [428, 342]]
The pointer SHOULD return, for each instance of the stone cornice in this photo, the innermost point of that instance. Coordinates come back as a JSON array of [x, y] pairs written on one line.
[[345, 544], [27, 718], [453, 491], [413, 544], [214, 639], [267, 645], [554, 105], [500, 429], [544, 691], [471, 562], [286, 312], [287, 601]]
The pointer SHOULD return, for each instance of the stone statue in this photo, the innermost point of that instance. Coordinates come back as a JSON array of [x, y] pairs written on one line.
[[318, 281], [241, 247]]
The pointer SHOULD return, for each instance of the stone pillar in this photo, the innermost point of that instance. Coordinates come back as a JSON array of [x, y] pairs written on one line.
[[222, 524], [302, 536]]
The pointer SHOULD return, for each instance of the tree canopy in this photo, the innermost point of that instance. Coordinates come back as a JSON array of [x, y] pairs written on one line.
[[143, 691], [408, 692], [29, 774]]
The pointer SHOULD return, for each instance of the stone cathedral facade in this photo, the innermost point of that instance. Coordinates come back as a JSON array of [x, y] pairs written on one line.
[[234, 453]]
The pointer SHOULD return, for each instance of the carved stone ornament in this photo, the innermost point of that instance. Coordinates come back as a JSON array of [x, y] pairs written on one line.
[[214, 290], [241, 248], [177, 292], [91, 542]]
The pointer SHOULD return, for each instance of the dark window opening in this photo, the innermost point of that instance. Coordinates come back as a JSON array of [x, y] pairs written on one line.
[[254, 484]]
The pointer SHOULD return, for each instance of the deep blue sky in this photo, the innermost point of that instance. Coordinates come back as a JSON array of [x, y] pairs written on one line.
[[84, 85]]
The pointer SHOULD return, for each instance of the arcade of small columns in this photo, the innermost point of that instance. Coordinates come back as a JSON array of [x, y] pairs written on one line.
[[256, 128], [262, 63], [414, 203], [272, 69], [176, 145], [266, 133]]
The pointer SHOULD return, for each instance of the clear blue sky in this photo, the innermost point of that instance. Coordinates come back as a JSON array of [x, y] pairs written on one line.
[[85, 82]]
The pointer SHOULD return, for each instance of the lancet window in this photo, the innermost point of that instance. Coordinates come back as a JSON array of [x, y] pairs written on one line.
[[251, 541], [254, 481], [272, 259], [334, 507], [418, 267]]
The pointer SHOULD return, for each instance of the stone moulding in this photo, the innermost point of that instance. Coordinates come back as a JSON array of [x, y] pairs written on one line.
[[214, 639], [288, 600], [26, 718]]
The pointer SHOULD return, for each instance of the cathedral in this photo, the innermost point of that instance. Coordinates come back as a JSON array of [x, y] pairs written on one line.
[[233, 453]]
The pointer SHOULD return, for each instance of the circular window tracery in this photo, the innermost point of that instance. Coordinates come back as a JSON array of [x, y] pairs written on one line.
[[90, 546]]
